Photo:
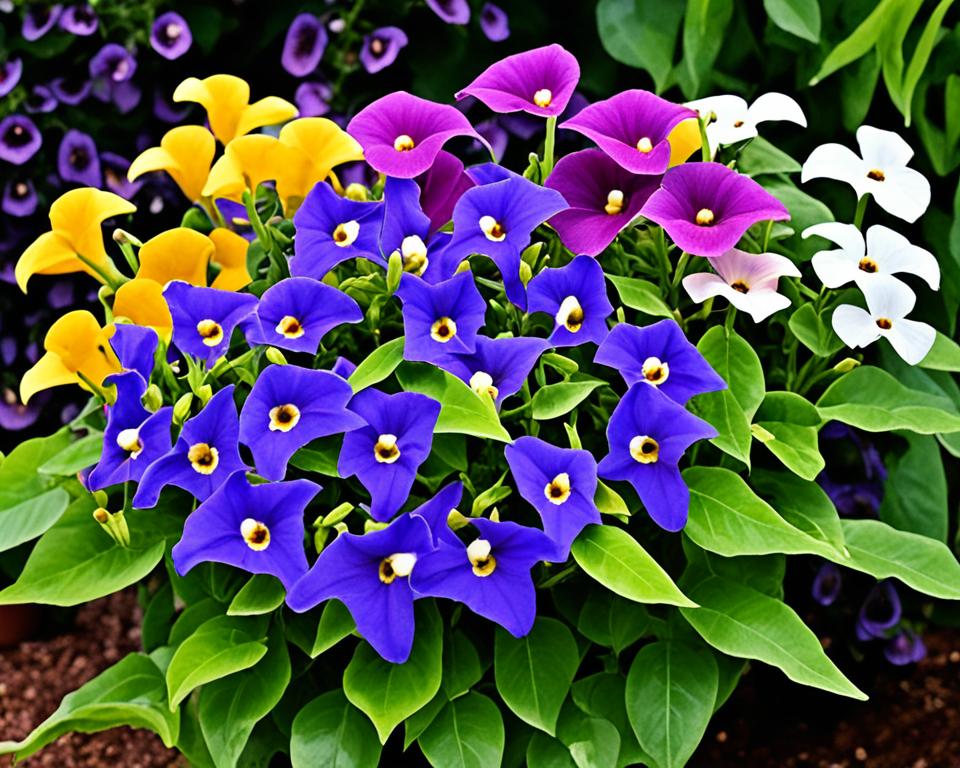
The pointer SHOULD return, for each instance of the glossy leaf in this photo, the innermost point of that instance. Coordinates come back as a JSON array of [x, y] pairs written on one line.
[[641, 33], [467, 733], [261, 594], [555, 400], [330, 731], [30, 518], [378, 365], [641, 295], [798, 17]]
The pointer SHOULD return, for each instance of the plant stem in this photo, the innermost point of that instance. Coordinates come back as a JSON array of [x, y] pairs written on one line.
[[705, 154], [861, 210], [548, 145]]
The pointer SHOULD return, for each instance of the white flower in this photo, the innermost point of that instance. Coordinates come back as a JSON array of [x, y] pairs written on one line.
[[889, 301], [881, 172], [746, 280], [885, 252], [729, 119]]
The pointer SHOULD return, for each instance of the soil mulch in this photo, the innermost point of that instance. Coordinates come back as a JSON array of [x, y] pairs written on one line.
[[911, 721]]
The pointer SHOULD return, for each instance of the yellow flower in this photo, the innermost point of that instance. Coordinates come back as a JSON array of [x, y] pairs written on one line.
[[186, 153], [141, 302], [77, 350], [318, 145], [227, 101], [75, 217], [246, 163], [684, 140], [231, 257]]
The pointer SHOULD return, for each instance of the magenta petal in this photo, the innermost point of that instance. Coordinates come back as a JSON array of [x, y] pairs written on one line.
[[441, 187], [622, 122], [401, 115], [511, 83]]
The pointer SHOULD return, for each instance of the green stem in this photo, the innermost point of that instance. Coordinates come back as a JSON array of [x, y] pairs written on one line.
[[678, 272], [262, 235], [548, 146], [705, 154], [731, 316], [861, 210], [766, 235], [109, 274]]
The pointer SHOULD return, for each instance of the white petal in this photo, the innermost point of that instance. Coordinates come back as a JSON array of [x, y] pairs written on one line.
[[847, 236], [758, 303], [905, 193], [835, 268], [885, 150], [888, 297], [702, 285], [854, 326], [893, 254], [911, 340], [835, 161], [727, 107], [728, 133], [776, 106]]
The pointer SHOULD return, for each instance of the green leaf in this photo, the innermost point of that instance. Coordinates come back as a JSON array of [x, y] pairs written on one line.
[[544, 751], [420, 720], [81, 454], [609, 502], [613, 557], [861, 40], [915, 494], [220, 647], [803, 504], [312, 638], [760, 157], [728, 518], [722, 411], [555, 400], [461, 665], [813, 332], [921, 55], [593, 742], [330, 731], [641, 33], [805, 210], [468, 733], [871, 399], [923, 564], [261, 594], [641, 295], [534, 673], [798, 17], [742, 622], [704, 24], [320, 456], [130, 692], [603, 695], [29, 519], [944, 355], [613, 621], [462, 411], [671, 688], [231, 707], [19, 479], [793, 422], [378, 365], [389, 693]]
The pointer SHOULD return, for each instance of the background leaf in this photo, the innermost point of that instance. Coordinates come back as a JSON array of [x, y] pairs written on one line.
[[330, 731]]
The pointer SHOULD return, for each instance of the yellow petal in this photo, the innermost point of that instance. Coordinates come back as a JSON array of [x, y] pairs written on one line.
[[231, 257], [224, 97], [177, 254], [77, 217], [186, 153], [225, 179], [49, 371], [141, 302], [319, 146], [251, 159], [268, 111], [684, 140], [49, 254]]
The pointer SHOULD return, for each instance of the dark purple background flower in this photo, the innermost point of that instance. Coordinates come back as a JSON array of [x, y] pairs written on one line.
[[78, 160], [10, 73], [494, 22], [19, 197], [38, 19], [304, 45], [170, 35], [115, 175], [19, 139], [451, 11], [40, 101], [381, 48], [72, 89], [313, 98], [826, 584], [441, 187], [79, 19]]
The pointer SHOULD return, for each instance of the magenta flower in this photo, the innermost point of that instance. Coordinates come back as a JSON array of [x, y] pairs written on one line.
[[603, 198], [401, 134], [381, 48], [706, 207], [494, 22], [440, 188], [540, 82], [632, 127]]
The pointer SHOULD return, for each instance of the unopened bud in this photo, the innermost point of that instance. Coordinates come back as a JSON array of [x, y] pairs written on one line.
[[394, 272], [101, 515], [463, 266], [356, 192], [531, 253], [337, 514], [320, 537], [495, 515], [275, 356], [205, 393], [152, 398], [100, 497], [846, 365], [372, 525], [181, 409], [526, 273], [123, 237], [456, 519]]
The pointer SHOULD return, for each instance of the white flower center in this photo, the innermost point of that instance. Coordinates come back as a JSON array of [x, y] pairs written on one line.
[[570, 314], [346, 234], [386, 450], [129, 440], [492, 229], [655, 371], [644, 449], [482, 382], [255, 533], [543, 97]]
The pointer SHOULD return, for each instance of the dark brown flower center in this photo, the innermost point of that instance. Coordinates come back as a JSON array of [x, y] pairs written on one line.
[[876, 174]]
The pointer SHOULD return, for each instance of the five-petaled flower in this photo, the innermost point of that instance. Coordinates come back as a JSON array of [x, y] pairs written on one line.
[[728, 119], [497, 367], [576, 297], [204, 318]]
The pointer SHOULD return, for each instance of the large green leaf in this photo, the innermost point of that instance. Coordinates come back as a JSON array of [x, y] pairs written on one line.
[[378, 365], [926, 565], [261, 594], [944, 355], [559, 399], [760, 157], [462, 411], [81, 454], [614, 558], [534, 673], [798, 17], [467, 733], [603, 695], [613, 621], [722, 411], [330, 731], [130, 692], [389, 693], [704, 25], [803, 504], [315, 636], [915, 494], [871, 399], [593, 741], [641, 33], [19, 479], [788, 425], [671, 688], [461, 665], [742, 622], [30, 518], [641, 295], [232, 706], [861, 40], [813, 332]]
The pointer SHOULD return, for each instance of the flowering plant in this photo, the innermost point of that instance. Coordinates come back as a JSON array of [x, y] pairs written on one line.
[[542, 440]]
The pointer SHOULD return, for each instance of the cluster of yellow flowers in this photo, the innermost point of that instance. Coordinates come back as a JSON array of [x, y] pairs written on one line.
[[77, 348]]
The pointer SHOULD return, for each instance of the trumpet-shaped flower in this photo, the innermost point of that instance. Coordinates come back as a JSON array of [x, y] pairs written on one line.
[[186, 153], [880, 170], [648, 434], [442, 319], [79, 19], [451, 11], [134, 438], [381, 48], [603, 198], [884, 252], [77, 159], [20, 139], [905, 647], [10, 72], [38, 20], [288, 407], [728, 119], [539, 82], [230, 256], [494, 22], [170, 35], [441, 187], [304, 45], [706, 207], [406, 230], [140, 302], [490, 575], [385, 454], [317, 146], [204, 318], [560, 483], [180, 253], [826, 584], [496, 219], [497, 367], [370, 574], [19, 198], [75, 243], [246, 163], [332, 229], [77, 351], [115, 169], [258, 528], [576, 297], [880, 612], [401, 134], [889, 301], [633, 128], [295, 314], [227, 101], [135, 347], [660, 356], [203, 457]]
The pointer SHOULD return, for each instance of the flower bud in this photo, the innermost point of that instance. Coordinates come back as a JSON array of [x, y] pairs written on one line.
[[356, 192], [846, 365], [153, 399], [373, 525], [181, 409], [101, 515], [526, 273], [205, 393], [320, 537], [122, 237], [531, 253], [457, 520], [337, 514], [100, 497], [394, 272], [275, 356]]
